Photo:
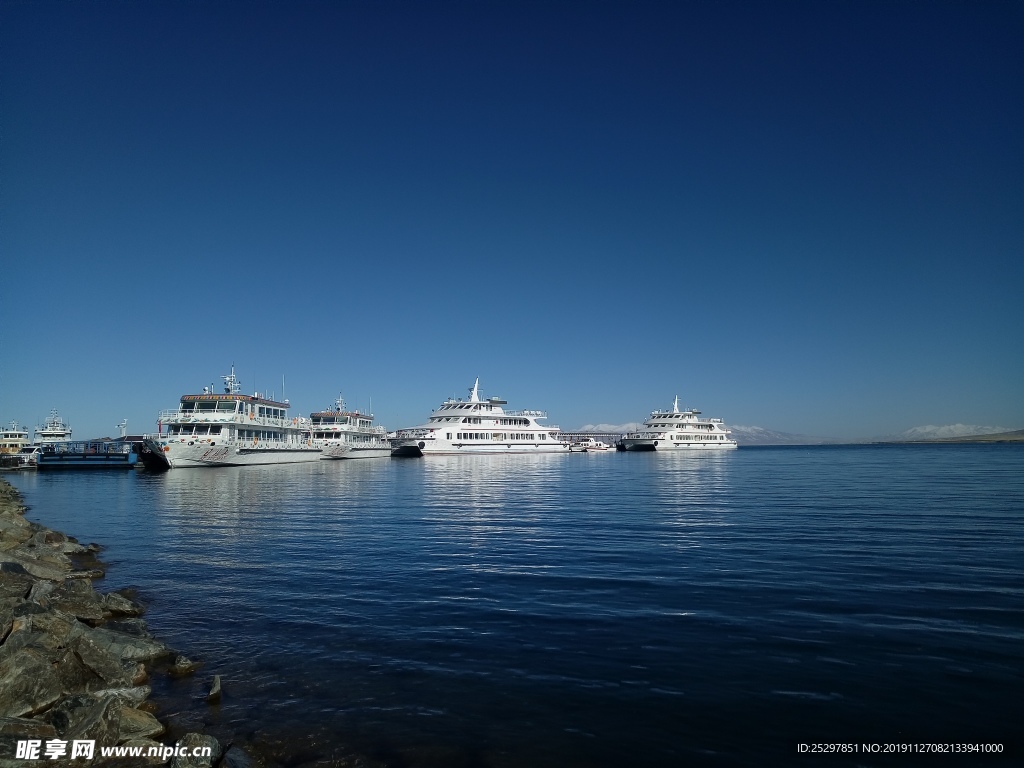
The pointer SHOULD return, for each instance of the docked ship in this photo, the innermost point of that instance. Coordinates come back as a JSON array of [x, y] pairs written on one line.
[[54, 430], [588, 445], [229, 429], [479, 426], [345, 434], [678, 430], [13, 440]]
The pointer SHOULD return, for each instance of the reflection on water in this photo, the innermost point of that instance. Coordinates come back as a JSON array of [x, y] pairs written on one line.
[[575, 609]]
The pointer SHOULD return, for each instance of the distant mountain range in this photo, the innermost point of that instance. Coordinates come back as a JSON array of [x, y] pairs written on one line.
[[761, 436], [955, 433]]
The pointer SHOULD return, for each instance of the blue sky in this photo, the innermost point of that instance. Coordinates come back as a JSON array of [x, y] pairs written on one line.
[[804, 216]]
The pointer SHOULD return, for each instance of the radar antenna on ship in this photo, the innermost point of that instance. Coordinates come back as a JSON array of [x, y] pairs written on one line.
[[231, 384], [122, 428], [339, 404]]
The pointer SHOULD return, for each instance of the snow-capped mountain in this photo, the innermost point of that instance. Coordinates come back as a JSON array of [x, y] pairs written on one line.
[[761, 436], [931, 432]]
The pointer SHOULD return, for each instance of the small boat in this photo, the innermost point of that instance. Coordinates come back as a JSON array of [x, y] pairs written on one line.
[[589, 445], [678, 430], [479, 426], [229, 429], [89, 454], [344, 434]]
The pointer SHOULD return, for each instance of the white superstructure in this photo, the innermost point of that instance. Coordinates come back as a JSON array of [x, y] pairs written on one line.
[[229, 429], [479, 426], [678, 430], [54, 430], [344, 434], [13, 439]]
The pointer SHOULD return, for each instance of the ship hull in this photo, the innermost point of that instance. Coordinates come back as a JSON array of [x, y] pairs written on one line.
[[181, 455], [427, 447], [647, 444]]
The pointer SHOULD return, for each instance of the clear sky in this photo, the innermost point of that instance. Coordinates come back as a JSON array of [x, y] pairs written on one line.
[[805, 216]]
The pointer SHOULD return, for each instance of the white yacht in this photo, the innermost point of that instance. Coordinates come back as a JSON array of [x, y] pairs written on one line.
[[479, 426], [13, 439], [229, 429], [15, 450], [588, 445], [53, 431], [678, 430], [344, 434]]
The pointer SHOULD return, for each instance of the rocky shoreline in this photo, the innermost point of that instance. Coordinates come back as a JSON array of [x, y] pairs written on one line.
[[75, 662]]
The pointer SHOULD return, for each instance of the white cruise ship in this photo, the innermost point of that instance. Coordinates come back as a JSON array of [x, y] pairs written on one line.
[[344, 434], [677, 430], [230, 429], [479, 426]]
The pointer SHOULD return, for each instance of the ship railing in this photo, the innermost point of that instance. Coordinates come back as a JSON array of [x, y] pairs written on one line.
[[533, 414], [223, 417], [411, 433]]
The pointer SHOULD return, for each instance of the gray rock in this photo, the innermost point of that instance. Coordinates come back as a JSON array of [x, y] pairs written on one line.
[[100, 660], [136, 724], [236, 757], [214, 695], [12, 562], [26, 728], [119, 605], [74, 676], [28, 683], [182, 666], [84, 717], [59, 628], [129, 697], [127, 647], [78, 598], [15, 584], [193, 742]]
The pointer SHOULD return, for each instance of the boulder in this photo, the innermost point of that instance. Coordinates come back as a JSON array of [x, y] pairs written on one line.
[[136, 724], [119, 605], [17, 562], [128, 647], [28, 683], [191, 743], [100, 660], [74, 676], [236, 757], [85, 717], [15, 584], [182, 667], [77, 597]]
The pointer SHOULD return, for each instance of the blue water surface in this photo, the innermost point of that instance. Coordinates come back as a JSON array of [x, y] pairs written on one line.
[[579, 610]]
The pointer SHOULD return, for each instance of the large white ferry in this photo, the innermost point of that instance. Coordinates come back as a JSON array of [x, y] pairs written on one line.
[[479, 426], [230, 429], [344, 434], [678, 430]]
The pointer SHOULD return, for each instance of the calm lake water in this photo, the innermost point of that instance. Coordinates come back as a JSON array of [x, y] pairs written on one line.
[[580, 610]]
